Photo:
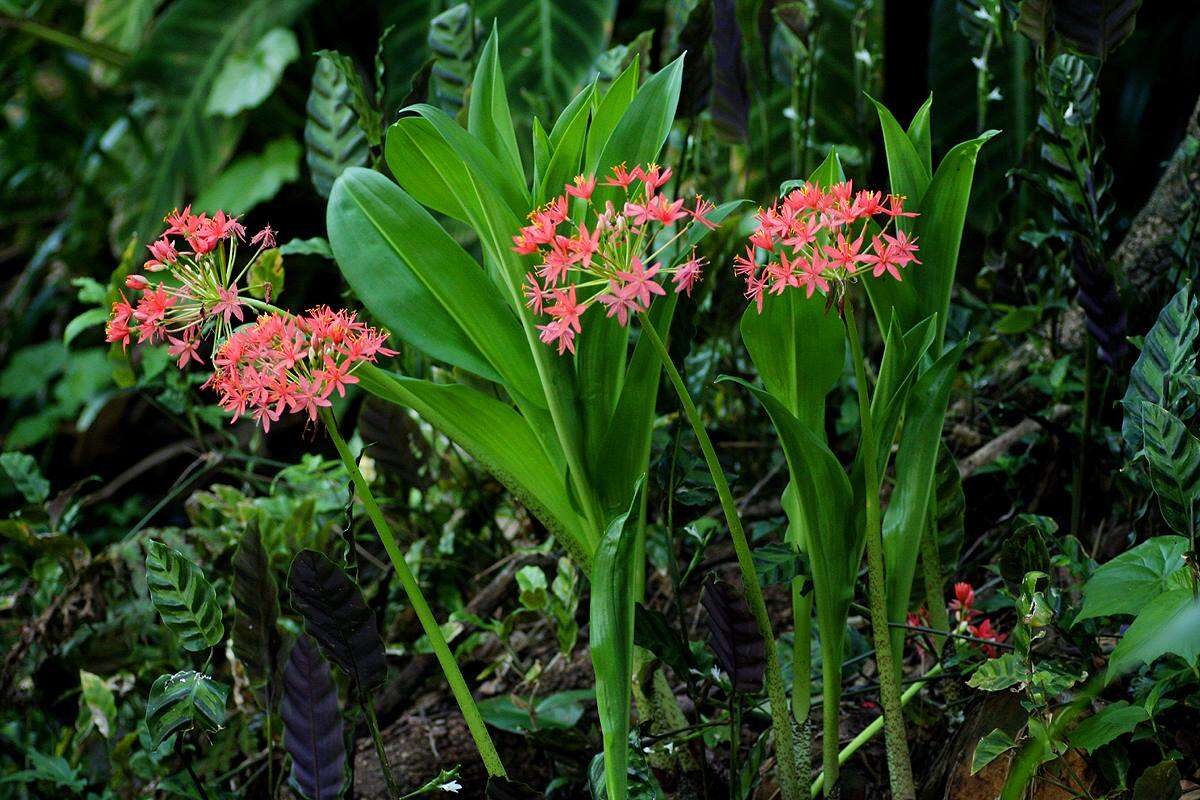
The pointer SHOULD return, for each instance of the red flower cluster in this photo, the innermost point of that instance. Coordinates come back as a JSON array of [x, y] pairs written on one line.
[[610, 256], [813, 235], [288, 363], [202, 294], [968, 618]]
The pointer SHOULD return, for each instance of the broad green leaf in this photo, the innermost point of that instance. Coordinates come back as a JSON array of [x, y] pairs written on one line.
[[799, 351], [566, 142], [546, 46], [184, 598], [989, 748], [998, 674], [316, 246], [639, 135], [906, 167], [614, 574], [500, 440], [252, 179], [488, 117], [1115, 719], [1168, 350], [120, 24], [333, 139], [187, 48], [907, 514], [88, 319], [1128, 582], [184, 701], [920, 132], [422, 285], [558, 711], [610, 107], [1168, 625], [55, 770], [248, 78], [98, 699], [1172, 456]]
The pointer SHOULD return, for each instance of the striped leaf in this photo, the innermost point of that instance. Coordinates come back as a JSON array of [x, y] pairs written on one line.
[[951, 509], [1168, 350], [184, 701], [184, 598], [336, 615], [312, 724], [332, 135], [547, 46], [1173, 460], [455, 36]]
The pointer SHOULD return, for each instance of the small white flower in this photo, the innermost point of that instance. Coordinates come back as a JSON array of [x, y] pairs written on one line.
[[453, 786], [864, 56], [979, 62], [995, 95]]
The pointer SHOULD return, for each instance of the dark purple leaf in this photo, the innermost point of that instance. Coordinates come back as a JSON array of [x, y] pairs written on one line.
[[734, 636], [731, 95], [336, 615], [312, 724]]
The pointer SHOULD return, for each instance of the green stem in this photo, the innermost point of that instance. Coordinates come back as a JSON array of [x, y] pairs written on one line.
[[871, 730], [934, 578], [85, 47], [1085, 436], [373, 726], [895, 739], [802, 603], [789, 786], [454, 677], [831, 697]]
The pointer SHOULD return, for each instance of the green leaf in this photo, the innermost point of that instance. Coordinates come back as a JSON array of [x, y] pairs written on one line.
[[23, 471], [799, 351], [1172, 456], [98, 699], [567, 142], [643, 127], [614, 572], [547, 47], [184, 701], [497, 437], [184, 598], [558, 711], [1128, 582], [453, 39], [179, 63], [88, 319], [1168, 625], [1159, 782], [951, 509], [422, 285], [1168, 351], [366, 112], [989, 748], [998, 674], [316, 246], [1115, 719], [920, 133], [51, 769], [610, 107], [252, 179], [248, 78], [906, 167], [488, 117], [907, 514], [332, 137]]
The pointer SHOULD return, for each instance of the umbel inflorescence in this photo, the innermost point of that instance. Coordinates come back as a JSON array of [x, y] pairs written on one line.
[[277, 363], [613, 254], [815, 238]]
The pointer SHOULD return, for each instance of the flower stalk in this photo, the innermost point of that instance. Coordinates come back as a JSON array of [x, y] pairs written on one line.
[[429, 624], [781, 723], [895, 737]]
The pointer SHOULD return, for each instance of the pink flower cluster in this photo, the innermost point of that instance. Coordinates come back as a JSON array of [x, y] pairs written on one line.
[[610, 255], [814, 235], [201, 291], [292, 363]]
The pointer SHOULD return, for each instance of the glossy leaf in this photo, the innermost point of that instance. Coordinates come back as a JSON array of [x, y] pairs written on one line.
[[1130, 581], [421, 284], [336, 615], [611, 637], [991, 747], [312, 724], [488, 117], [184, 598], [184, 701], [1170, 625], [1112, 721]]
